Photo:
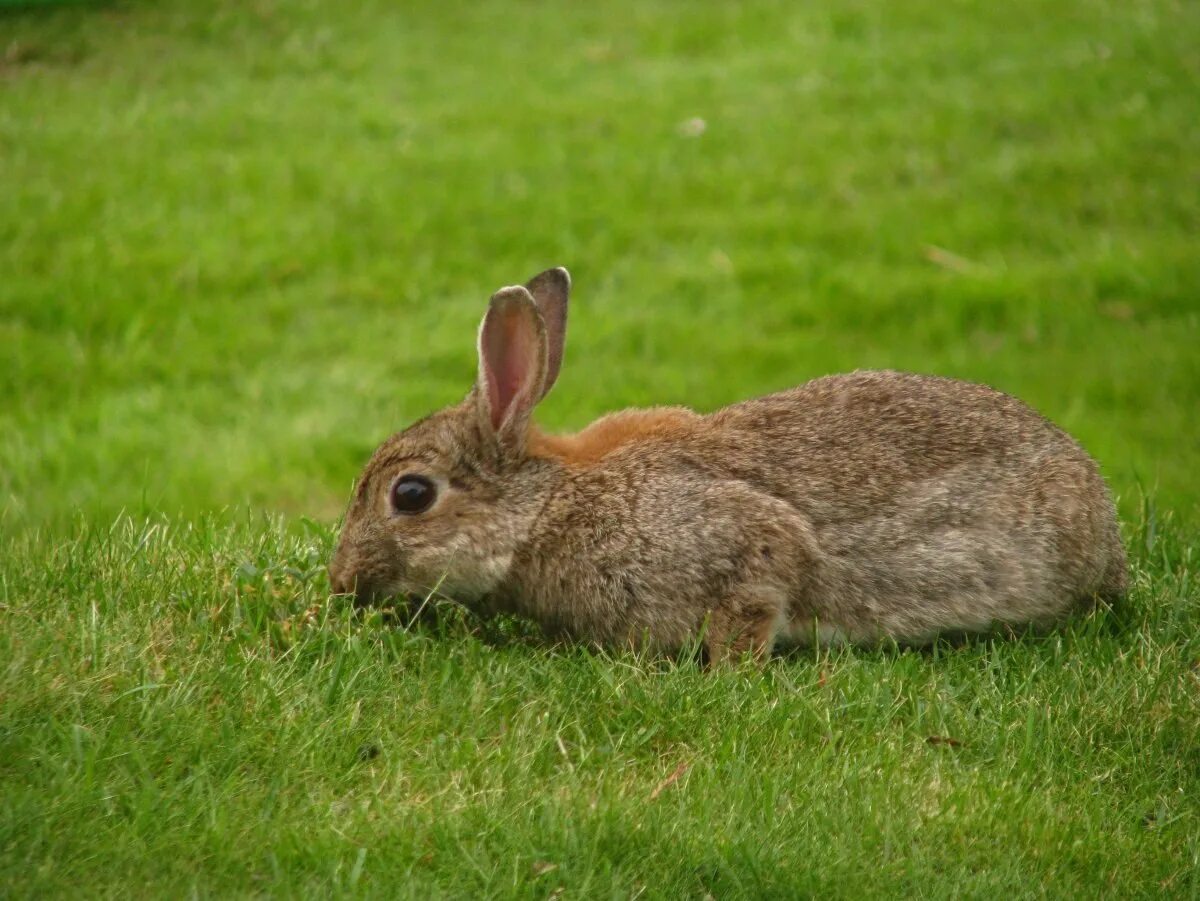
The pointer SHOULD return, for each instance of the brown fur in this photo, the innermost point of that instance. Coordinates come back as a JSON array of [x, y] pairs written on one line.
[[611, 433], [860, 507]]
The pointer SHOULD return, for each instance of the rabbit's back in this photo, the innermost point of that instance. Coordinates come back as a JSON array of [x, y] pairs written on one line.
[[936, 503], [845, 446]]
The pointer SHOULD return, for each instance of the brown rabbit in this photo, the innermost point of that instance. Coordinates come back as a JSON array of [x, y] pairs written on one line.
[[860, 507]]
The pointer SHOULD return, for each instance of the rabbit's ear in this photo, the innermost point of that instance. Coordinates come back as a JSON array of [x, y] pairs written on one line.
[[550, 290], [512, 365]]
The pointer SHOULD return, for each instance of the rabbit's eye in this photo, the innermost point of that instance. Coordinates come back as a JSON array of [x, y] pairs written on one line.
[[413, 494]]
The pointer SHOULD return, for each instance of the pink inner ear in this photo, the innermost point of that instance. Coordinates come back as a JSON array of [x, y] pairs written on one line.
[[510, 360]]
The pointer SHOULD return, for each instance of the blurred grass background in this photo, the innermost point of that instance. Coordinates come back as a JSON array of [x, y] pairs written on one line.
[[242, 242]]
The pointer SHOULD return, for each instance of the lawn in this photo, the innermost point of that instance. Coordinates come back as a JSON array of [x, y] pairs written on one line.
[[240, 243]]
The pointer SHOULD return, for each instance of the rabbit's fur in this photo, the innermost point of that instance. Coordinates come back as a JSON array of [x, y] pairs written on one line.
[[860, 507]]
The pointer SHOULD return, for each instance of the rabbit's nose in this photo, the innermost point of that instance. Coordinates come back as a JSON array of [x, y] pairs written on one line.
[[338, 583]]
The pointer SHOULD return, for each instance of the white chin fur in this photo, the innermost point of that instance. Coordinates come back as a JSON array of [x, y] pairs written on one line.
[[468, 576]]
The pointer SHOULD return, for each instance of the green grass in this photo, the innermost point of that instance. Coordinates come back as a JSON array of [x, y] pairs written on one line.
[[241, 242], [182, 712]]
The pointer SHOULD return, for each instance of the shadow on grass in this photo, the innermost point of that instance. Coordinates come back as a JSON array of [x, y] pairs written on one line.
[[447, 621]]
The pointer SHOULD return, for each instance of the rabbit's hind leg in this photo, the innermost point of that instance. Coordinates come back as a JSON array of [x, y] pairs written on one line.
[[767, 556], [747, 621]]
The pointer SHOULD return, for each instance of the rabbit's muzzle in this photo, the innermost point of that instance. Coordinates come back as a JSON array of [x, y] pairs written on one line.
[[338, 583], [343, 582], [347, 578], [366, 579]]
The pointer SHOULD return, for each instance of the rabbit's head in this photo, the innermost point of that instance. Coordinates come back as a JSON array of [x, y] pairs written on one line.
[[444, 505]]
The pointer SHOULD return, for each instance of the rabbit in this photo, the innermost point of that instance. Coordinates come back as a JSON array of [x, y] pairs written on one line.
[[870, 507]]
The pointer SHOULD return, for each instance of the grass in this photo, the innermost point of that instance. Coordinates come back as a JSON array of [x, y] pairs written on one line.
[[184, 713], [241, 242]]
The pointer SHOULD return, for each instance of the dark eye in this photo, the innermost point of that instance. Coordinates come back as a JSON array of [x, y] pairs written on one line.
[[413, 494]]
